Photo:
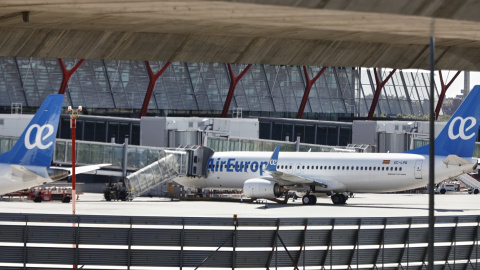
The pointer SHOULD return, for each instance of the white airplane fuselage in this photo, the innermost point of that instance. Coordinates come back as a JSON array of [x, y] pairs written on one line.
[[12, 179], [353, 172]]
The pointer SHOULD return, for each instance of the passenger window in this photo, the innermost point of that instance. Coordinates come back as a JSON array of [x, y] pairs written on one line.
[[308, 167], [321, 167], [290, 166], [334, 167], [343, 167], [369, 168], [329, 167], [374, 168], [361, 168], [400, 168], [396, 168], [357, 168], [303, 167]]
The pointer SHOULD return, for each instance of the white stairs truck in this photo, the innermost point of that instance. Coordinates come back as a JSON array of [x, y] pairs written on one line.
[[470, 181], [185, 161]]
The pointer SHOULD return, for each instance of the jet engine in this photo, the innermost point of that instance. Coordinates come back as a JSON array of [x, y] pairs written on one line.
[[261, 188]]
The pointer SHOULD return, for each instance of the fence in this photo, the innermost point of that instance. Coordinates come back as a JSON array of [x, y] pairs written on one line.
[[40, 241]]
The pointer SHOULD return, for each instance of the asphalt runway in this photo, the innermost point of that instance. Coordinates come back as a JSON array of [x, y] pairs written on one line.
[[362, 205]]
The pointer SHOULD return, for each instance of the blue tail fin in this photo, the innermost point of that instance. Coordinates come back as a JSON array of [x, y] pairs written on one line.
[[459, 135], [35, 145], [272, 163]]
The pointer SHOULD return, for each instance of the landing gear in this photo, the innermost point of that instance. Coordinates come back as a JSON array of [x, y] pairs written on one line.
[[309, 199], [339, 198]]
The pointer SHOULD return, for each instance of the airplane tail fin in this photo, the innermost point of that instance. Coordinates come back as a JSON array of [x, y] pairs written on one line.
[[272, 163], [459, 135], [35, 145]]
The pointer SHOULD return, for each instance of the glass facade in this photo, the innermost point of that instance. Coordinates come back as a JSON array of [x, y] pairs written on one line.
[[117, 88]]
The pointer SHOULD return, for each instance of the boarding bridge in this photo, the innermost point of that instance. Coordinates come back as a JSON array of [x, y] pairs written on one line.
[[183, 161], [470, 181]]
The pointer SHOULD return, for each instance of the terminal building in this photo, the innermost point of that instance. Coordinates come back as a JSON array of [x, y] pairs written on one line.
[[188, 99], [118, 88]]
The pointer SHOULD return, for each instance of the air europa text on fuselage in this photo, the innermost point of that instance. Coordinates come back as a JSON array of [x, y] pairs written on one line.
[[234, 165]]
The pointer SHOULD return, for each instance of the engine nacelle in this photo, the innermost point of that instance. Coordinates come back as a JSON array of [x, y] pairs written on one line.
[[261, 188]]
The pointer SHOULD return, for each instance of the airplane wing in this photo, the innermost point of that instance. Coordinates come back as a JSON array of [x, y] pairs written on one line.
[[287, 177], [82, 169], [294, 179]]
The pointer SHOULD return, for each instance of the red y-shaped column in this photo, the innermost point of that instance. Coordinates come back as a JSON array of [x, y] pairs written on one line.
[[151, 85], [444, 91], [233, 83], [67, 74], [378, 90], [308, 87]]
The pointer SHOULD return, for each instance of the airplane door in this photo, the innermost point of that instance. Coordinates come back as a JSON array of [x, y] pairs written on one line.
[[418, 169]]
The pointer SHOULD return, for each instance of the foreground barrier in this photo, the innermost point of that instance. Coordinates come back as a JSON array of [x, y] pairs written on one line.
[[38, 241]]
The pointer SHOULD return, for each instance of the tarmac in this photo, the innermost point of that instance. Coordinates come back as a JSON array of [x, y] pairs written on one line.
[[362, 205]]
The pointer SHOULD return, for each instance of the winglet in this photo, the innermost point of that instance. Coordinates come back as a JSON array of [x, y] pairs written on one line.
[[272, 163]]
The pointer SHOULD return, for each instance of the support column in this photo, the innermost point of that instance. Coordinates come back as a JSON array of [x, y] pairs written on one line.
[[233, 83], [151, 85], [67, 74], [308, 87], [378, 90], [444, 91]]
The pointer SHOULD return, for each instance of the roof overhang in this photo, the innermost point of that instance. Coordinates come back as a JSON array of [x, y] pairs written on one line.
[[367, 33]]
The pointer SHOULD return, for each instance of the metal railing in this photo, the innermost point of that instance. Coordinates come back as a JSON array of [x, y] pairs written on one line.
[[45, 241]]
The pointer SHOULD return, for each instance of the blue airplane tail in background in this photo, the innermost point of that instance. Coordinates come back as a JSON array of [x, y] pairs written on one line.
[[459, 135], [35, 145]]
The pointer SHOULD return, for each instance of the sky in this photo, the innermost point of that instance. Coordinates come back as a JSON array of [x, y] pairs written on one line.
[[458, 84]]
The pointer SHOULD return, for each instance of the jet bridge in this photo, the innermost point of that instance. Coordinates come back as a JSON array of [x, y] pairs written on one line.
[[182, 161]]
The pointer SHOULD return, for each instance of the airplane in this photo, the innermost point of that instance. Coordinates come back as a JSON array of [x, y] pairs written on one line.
[[263, 175], [27, 164]]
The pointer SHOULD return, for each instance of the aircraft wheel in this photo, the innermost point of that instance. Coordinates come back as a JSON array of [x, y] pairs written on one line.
[[307, 199], [475, 191], [314, 199], [66, 199], [38, 199], [338, 199], [442, 191]]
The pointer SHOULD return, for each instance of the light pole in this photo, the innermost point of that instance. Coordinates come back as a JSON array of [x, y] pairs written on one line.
[[73, 125]]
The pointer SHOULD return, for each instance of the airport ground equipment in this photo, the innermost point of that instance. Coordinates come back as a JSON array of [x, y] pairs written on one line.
[[49, 241], [183, 161], [44, 194], [470, 181]]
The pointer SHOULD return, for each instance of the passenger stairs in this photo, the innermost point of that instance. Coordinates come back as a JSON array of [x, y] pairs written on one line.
[[185, 161], [470, 181]]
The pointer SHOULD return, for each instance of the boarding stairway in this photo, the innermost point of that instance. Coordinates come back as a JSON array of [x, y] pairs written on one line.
[[182, 161], [470, 181]]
